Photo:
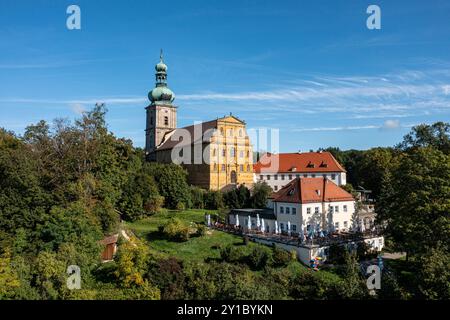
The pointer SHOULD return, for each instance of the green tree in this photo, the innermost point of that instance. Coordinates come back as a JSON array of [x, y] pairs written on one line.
[[260, 193], [416, 201], [433, 270], [353, 284], [436, 136], [172, 183], [9, 280]]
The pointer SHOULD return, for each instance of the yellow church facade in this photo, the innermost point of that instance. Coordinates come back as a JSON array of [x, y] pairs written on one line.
[[217, 154]]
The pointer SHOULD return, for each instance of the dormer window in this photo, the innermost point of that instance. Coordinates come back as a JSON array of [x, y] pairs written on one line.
[[318, 192], [294, 169], [323, 165], [291, 192], [310, 165]]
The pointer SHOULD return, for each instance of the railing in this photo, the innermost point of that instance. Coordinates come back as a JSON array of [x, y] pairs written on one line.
[[294, 239]]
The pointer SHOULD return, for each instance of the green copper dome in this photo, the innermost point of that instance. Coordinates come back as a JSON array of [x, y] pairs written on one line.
[[161, 94], [161, 66]]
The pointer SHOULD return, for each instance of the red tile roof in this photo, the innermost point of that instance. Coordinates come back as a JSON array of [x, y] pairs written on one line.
[[298, 162], [312, 190], [204, 130]]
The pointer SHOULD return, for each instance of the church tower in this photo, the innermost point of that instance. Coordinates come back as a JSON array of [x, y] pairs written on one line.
[[161, 113]]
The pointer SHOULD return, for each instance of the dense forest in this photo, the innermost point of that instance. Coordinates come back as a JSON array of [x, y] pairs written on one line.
[[64, 186]]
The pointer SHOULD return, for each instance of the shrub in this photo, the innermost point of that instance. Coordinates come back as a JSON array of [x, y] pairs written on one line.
[[197, 197], [280, 257], [213, 200], [259, 257], [176, 230], [336, 254], [180, 206], [201, 230], [154, 204], [231, 253]]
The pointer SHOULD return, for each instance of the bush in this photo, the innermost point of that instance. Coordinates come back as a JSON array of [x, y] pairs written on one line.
[[213, 200], [259, 257], [180, 206], [336, 254], [176, 230], [197, 197], [231, 253], [280, 257], [201, 230], [154, 204]]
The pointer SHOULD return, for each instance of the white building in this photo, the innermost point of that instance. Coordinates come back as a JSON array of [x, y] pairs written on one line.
[[314, 204], [277, 170], [310, 206], [307, 204]]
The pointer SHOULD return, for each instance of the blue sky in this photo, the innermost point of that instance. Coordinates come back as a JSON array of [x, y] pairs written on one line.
[[311, 69]]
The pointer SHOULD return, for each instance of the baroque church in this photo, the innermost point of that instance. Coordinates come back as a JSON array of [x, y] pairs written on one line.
[[217, 154]]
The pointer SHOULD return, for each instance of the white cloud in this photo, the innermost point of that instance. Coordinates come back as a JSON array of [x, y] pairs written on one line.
[[391, 124], [78, 108]]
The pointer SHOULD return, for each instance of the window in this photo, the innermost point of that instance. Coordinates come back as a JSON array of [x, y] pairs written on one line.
[[313, 175], [282, 226], [240, 132], [241, 154], [281, 209], [230, 133], [308, 228], [223, 167], [308, 210], [275, 188], [345, 224], [336, 225], [316, 210], [224, 152], [282, 177], [324, 175], [215, 167], [290, 177], [294, 227], [232, 152], [333, 176], [248, 167], [298, 176], [294, 210], [261, 177], [241, 168], [288, 210], [268, 177], [166, 121], [275, 177], [345, 208], [305, 176], [336, 208], [151, 120]]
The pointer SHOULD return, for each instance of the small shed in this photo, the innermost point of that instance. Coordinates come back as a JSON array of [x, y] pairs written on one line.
[[110, 247]]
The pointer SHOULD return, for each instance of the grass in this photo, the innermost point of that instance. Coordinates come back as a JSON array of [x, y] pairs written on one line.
[[198, 249], [195, 249]]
